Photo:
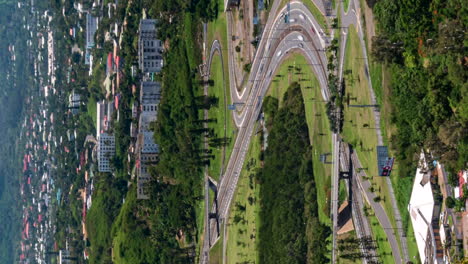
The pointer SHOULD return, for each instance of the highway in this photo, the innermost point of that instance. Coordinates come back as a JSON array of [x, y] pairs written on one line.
[[304, 35]]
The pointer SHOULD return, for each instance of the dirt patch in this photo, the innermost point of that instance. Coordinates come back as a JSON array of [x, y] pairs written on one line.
[[370, 23]]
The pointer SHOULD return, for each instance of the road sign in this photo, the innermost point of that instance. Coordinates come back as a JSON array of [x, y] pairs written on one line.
[[384, 163]]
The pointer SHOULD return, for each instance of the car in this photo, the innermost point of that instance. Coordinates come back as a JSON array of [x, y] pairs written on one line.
[[301, 16], [279, 53], [300, 38]]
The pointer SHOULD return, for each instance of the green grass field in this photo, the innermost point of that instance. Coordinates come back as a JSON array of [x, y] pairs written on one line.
[[321, 19], [217, 29], [243, 223], [92, 111], [383, 246], [346, 5], [319, 129], [342, 193], [224, 125], [216, 252], [241, 246], [359, 124]]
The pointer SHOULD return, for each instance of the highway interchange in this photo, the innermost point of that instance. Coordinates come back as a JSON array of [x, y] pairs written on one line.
[[304, 35]]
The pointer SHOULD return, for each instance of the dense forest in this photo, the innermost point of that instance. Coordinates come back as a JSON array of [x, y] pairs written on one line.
[[290, 231], [424, 45]]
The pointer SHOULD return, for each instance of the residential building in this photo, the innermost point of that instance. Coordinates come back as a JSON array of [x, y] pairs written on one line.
[[134, 109], [104, 112], [105, 151], [91, 28], [424, 209], [74, 102], [147, 155], [100, 113], [64, 257], [149, 48], [150, 96]]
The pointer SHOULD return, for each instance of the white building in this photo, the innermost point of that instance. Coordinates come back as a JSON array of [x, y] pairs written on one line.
[[74, 102], [104, 112], [148, 152], [150, 96], [105, 151], [91, 28], [64, 257], [149, 48], [424, 214]]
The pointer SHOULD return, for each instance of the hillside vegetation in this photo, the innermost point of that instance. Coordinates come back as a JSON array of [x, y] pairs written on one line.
[[290, 230], [423, 46]]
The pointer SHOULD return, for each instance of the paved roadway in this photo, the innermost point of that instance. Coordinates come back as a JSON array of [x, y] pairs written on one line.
[[353, 17], [379, 211], [279, 39]]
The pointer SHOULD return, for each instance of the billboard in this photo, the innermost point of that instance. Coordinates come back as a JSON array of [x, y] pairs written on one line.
[[384, 163]]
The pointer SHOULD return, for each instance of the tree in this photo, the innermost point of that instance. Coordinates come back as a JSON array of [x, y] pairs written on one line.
[[384, 50], [450, 202]]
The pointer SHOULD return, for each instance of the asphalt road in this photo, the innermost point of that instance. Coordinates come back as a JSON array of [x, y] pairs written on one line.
[[302, 34], [353, 17]]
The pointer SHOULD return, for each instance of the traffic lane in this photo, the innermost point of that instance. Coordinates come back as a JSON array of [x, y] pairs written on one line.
[[244, 136]]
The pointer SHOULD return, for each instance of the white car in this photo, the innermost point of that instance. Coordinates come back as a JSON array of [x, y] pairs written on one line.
[[279, 53], [300, 38], [301, 16]]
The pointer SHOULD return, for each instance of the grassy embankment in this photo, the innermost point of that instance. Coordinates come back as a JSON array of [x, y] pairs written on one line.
[[346, 5], [359, 126], [319, 128], [224, 126], [321, 19], [381, 85], [216, 252], [242, 233], [91, 109], [237, 249]]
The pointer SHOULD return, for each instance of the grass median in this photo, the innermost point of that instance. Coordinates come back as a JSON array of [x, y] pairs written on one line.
[[359, 126], [319, 128], [223, 138], [243, 219]]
